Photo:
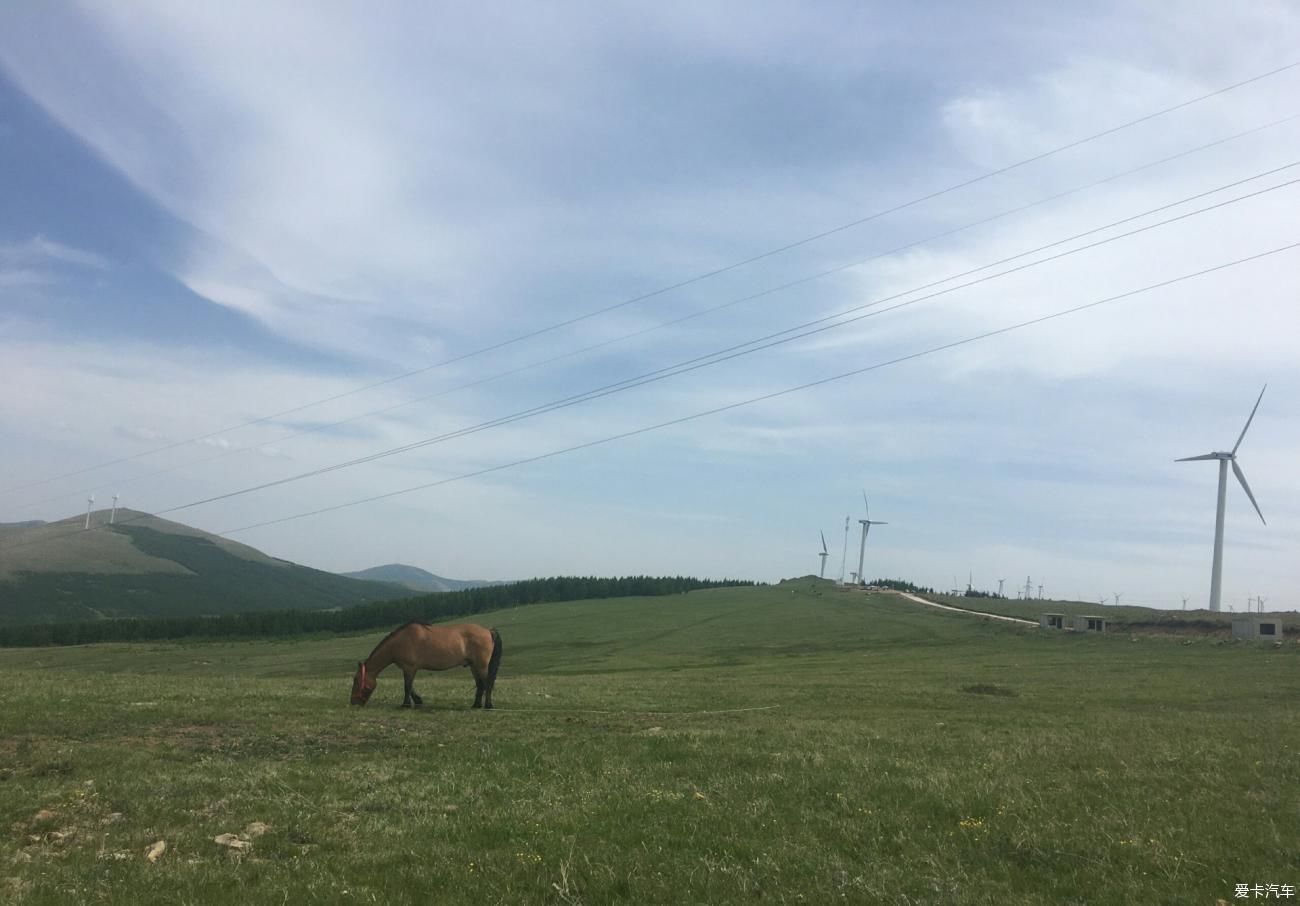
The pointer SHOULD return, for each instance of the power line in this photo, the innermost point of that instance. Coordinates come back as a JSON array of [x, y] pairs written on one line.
[[779, 393], [817, 326], [768, 341], [688, 317], [686, 282]]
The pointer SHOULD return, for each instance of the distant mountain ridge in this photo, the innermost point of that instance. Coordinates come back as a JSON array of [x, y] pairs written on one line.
[[144, 566], [417, 579]]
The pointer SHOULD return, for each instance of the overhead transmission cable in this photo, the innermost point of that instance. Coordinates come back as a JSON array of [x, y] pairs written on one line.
[[679, 320], [706, 275], [779, 393], [787, 335]]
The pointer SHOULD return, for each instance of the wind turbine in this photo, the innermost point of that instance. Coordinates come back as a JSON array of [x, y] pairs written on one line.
[[90, 502], [1117, 594], [1000, 581], [1216, 570], [824, 554], [844, 554], [113, 515], [866, 527], [1260, 602]]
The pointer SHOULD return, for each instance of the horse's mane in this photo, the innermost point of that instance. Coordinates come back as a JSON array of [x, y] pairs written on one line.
[[384, 640]]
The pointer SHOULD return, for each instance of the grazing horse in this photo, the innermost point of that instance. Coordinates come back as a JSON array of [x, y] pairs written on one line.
[[419, 646]]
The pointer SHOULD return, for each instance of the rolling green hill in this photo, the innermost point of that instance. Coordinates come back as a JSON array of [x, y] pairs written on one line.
[[1126, 617], [144, 566], [415, 578]]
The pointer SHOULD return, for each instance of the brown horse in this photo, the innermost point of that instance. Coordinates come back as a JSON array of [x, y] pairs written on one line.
[[419, 646]]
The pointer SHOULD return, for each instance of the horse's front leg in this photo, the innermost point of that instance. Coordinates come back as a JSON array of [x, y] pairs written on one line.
[[411, 698]]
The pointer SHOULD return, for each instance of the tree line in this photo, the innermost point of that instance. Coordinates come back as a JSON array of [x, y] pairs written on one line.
[[426, 608]]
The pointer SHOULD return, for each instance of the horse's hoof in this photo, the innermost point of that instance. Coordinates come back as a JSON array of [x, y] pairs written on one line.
[[488, 707], [476, 705], [406, 704]]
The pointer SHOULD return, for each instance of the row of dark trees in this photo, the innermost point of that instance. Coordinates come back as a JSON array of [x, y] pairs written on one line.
[[428, 608], [902, 585]]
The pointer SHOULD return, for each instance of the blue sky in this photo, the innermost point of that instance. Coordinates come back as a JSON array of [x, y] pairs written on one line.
[[213, 213]]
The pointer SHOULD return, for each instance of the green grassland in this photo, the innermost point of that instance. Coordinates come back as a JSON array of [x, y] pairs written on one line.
[[786, 744], [1123, 617]]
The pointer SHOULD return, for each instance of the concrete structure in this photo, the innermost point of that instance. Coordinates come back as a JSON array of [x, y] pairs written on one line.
[[1051, 620], [1257, 626], [1089, 624]]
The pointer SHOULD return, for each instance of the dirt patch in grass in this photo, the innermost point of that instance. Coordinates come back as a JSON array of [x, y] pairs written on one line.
[[990, 689]]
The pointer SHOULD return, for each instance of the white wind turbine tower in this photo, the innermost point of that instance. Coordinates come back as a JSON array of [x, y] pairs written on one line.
[[90, 502], [1000, 581], [824, 554], [1216, 570], [866, 527], [113, 515], [844, 555]]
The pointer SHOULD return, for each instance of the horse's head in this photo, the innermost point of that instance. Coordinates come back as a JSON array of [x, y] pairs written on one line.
[[362, 685]]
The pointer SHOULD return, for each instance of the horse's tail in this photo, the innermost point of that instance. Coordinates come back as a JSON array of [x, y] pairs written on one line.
[[494, 663]]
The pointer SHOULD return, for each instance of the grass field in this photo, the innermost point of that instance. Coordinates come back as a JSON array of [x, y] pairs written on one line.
[[1124, 617], [777, 745]]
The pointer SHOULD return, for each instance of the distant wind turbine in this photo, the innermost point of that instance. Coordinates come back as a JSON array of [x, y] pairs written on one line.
[[1216, 569], [1260, 602], [866, 527], [113, 515], [824, 554], [1000, 581], [1117, 594], [90, 502], [844, 554]]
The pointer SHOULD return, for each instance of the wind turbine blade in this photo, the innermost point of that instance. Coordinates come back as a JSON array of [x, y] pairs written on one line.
[[865, 506], [1195, 458], [823, 542], [1245, 487], [1248, 421]]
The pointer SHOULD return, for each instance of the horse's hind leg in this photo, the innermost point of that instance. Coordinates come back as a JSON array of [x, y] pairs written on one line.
[[411, 698], [483, 686], [479, 684]]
